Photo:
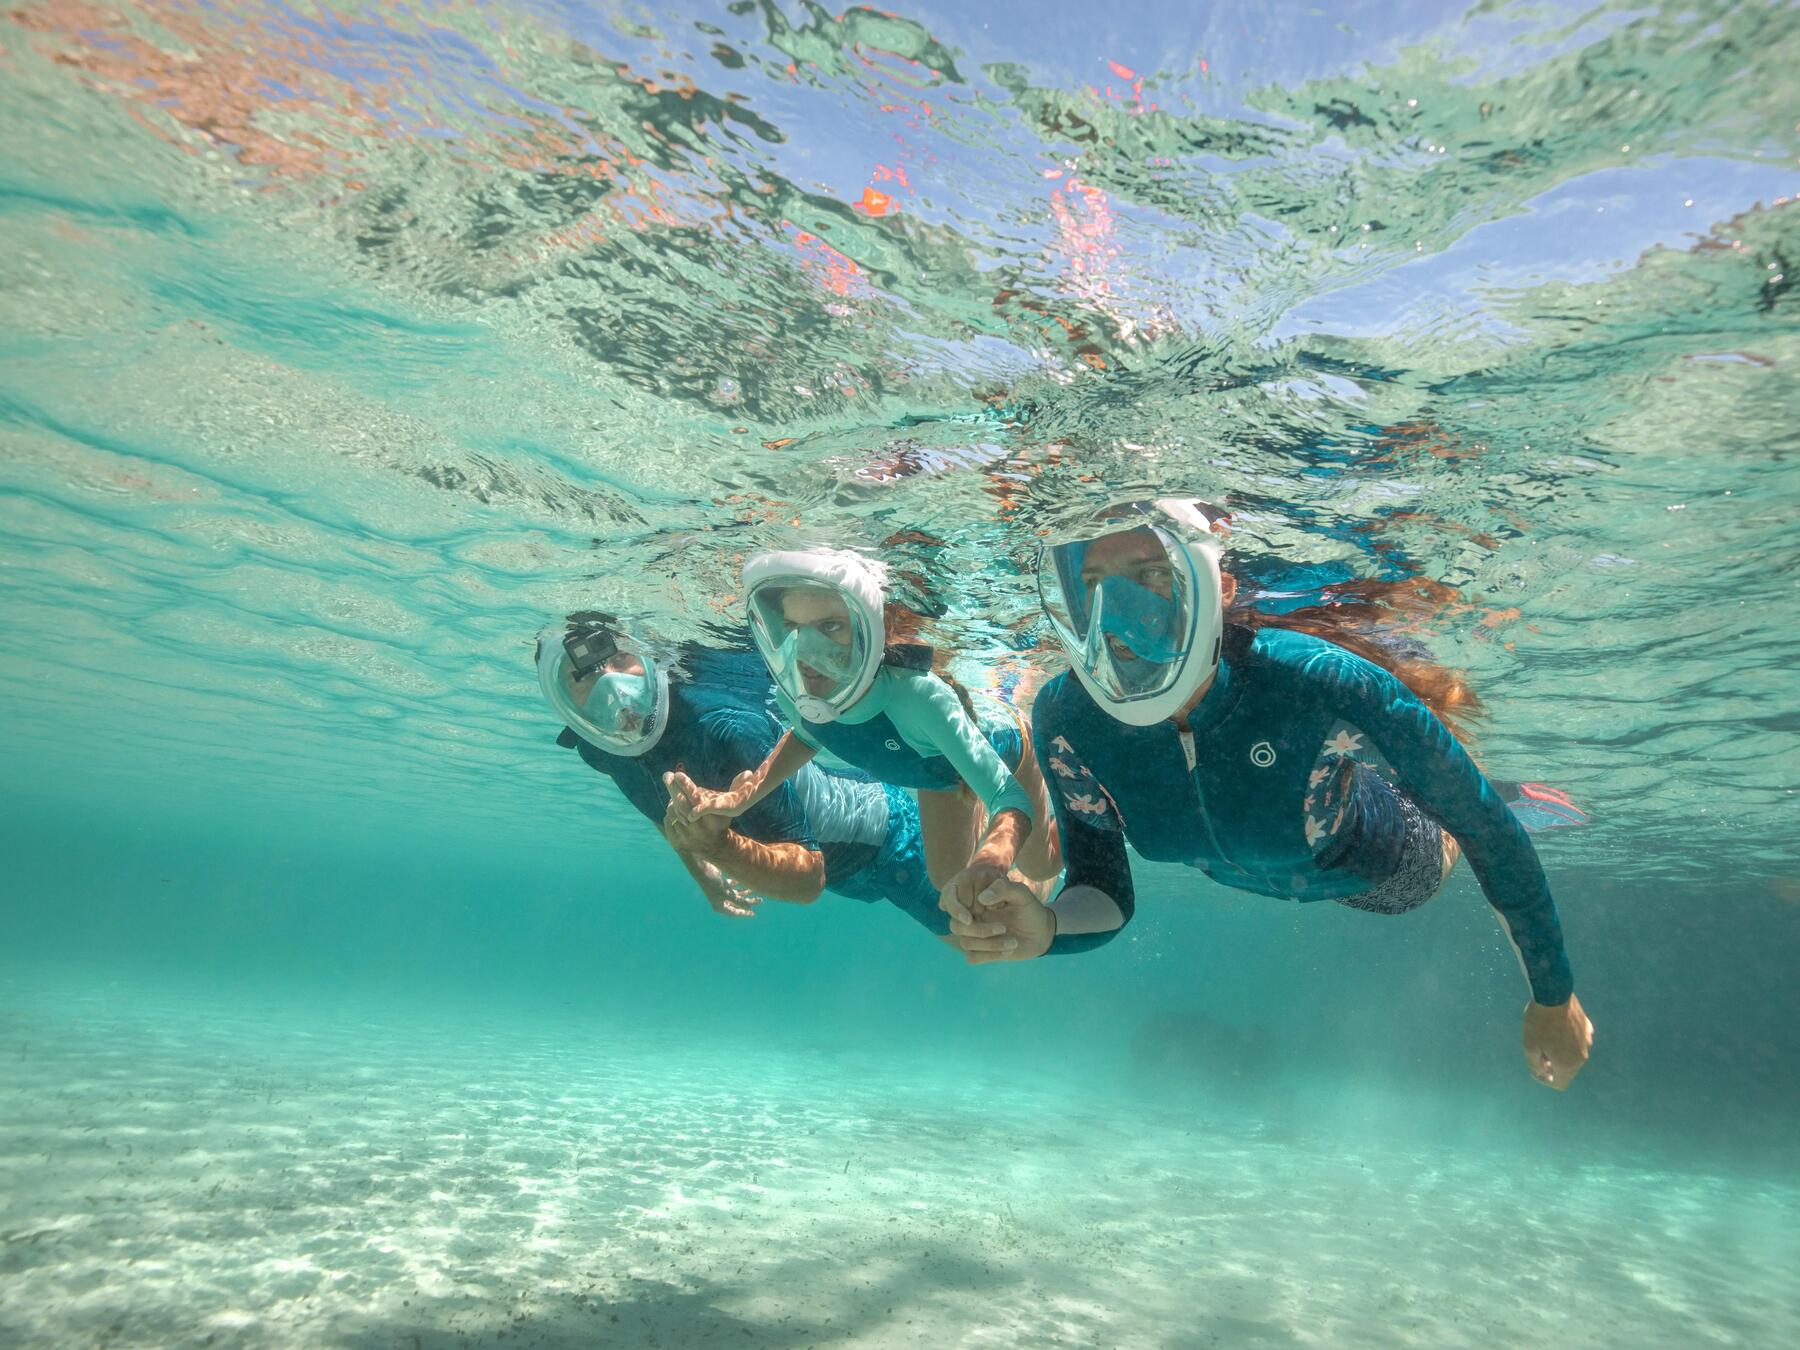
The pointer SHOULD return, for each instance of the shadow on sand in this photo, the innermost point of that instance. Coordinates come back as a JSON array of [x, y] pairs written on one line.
[[899, 1306]]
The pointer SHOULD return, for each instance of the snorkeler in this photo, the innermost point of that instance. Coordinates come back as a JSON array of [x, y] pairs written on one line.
[[819, 619], [639, 722], [1273, 760]]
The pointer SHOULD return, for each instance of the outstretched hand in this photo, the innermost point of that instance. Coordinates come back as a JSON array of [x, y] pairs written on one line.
[[1005, 921], [1557, 1040], [688, 801], [727, 898]]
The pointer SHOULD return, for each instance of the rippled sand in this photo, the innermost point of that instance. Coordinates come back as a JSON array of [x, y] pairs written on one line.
[[183, 1174]]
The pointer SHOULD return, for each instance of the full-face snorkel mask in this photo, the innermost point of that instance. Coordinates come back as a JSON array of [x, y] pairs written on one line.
[[1135, 601], [607, 688], [816, 618]]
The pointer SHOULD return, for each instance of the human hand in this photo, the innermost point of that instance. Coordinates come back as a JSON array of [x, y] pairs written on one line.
[[728, 899], [961, 894], [688, 801], [1007, 922], [698, 838], [1557, 1040]]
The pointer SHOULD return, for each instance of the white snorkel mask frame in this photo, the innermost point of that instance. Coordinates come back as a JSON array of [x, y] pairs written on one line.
[[862, 585], [1184, 527], [554, 666]]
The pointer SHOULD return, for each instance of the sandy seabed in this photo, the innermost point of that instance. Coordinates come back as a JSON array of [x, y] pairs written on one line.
[[185, 1173]]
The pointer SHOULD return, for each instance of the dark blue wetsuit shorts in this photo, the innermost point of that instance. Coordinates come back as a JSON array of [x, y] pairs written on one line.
[[1420, 873], [896, 871]]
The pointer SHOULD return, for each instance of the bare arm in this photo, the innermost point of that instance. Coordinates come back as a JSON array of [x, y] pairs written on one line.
[[1006, 835], [689, 801], [790, 872]]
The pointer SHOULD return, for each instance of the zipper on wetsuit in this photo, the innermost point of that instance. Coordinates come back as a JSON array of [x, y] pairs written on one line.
[[1187, 750]]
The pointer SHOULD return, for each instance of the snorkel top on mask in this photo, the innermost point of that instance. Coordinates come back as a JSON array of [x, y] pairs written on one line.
[[607, 687], [1134, 599], [816, 618]]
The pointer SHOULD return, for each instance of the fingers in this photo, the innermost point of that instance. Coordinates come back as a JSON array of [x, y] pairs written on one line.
[[973, 945], [1565, 1067], [976, 929], [681, 796], [1543, 1070], [1551, 1072], [952, 904], [1002, 893], [984, 958]]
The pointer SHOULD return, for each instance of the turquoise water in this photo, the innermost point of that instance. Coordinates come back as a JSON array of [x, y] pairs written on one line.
[[341, 348]]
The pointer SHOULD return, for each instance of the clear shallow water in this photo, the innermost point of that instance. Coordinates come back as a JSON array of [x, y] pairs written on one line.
[[255, 1174], [338, 348]]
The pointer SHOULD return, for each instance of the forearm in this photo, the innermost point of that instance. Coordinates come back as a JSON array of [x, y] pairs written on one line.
[[1506, 864], [1436, 771], [790, 755], [1521, 901], [1006, 835], [702, 871], [790, 872], [1097, 899]]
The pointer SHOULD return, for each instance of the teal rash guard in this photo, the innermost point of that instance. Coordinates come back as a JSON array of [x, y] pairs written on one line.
[[911, 730], [1282, 714]]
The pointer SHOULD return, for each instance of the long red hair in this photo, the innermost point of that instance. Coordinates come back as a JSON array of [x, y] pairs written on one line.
[[1365, 617], [1368, 618]]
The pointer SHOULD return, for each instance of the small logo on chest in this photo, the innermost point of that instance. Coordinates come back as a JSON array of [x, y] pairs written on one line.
[[1262, 754]]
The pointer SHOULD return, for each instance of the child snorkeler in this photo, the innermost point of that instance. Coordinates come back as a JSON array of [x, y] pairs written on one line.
[[820, 618]]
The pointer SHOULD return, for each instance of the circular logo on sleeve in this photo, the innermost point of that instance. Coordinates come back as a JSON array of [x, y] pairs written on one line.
[[1262, 754]]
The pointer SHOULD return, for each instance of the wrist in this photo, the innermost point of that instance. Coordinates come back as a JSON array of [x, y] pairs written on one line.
[[714, 849]]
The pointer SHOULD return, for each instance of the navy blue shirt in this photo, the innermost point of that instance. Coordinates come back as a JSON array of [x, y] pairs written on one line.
[[1281, 701], [867, 834], [713, 735]]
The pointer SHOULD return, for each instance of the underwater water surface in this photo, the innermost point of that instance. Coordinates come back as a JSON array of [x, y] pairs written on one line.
[[343, 347]]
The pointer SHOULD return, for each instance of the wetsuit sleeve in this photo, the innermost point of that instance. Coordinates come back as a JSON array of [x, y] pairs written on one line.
[[1437, 773], [636, 785], [926, 710], [1097, 899], [737, 741]]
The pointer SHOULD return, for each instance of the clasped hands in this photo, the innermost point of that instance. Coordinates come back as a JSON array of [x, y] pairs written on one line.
[[690, 804], [995, 918]]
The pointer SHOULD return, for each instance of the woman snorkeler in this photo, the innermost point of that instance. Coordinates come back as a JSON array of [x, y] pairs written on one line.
[[844, 684], [1274, 760]]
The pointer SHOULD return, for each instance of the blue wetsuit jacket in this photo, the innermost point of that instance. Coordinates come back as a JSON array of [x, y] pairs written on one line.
[[1283, 707], [868, 835]]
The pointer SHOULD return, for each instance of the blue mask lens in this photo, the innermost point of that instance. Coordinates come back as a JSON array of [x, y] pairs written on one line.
[[1138, 617], [811, 648], [620, 702]]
